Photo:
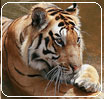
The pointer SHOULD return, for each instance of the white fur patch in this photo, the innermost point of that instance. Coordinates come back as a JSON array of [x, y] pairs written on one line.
[[23, 50], [64, 34], [77, 31], [85, 66], [56, 28], [70, 7], [37, 65]]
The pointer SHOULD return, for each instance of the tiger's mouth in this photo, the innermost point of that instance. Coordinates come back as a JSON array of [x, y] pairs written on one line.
[[60, 74]]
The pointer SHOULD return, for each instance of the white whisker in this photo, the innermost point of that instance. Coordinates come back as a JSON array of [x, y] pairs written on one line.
[[57, 78], [53, 76], [51, 71], [64, 76]]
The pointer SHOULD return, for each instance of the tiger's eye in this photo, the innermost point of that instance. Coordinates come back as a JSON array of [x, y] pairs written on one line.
[[58, 40]]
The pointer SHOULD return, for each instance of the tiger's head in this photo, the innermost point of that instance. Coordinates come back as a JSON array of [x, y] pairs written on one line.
[[51, 39]]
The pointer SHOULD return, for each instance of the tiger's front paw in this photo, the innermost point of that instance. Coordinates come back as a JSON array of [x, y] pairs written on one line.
[[88, 79], [87, 85]]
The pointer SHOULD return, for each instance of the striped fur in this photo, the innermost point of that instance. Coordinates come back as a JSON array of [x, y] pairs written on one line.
[[44, 45]]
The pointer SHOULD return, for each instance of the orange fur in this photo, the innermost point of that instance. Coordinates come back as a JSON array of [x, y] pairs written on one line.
[[12, 59]]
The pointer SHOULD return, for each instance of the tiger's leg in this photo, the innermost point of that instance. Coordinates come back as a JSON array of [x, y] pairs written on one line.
[[88, 79]]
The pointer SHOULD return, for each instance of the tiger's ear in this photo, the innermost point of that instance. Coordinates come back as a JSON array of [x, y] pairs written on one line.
[[38, 17], [73, 9]]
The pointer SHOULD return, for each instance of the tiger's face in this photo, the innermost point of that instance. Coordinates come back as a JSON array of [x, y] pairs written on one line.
[[57, 44]]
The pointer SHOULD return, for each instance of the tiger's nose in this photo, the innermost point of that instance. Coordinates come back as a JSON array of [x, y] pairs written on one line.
[[75, 68]]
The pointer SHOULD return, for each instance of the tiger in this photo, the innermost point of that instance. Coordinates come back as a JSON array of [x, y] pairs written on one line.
[[43, 53]]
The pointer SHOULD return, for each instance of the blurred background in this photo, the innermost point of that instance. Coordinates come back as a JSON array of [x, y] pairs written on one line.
[[90, 17]]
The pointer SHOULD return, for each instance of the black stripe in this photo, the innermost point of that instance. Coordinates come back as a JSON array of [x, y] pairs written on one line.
[[54, 48], [61, 24], [11, 76], [5, 50], [57, 35], [46, 41], [45, 52], [19, 71], [36, 75], [69, 18], [51, 34], [21, 38], [62, 17], [74, 5], [51, 10], [71, 23], [39, 41], [29, 75], [61, 30], [34, 56], [17, 46], [28, 55], [44, 61], [54, 13]]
